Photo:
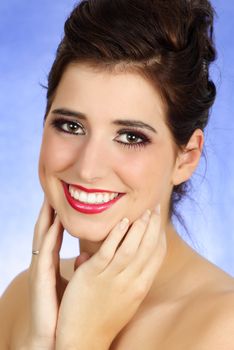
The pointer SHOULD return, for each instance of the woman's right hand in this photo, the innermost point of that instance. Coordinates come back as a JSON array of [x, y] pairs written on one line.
[[46, 286]]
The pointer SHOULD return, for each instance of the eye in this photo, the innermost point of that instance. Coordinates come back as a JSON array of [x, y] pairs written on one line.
[[68, 126], [132, 139]]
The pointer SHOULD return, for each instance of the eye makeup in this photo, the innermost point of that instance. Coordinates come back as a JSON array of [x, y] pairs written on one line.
[[134, 139], [131, 136], [67, 126]]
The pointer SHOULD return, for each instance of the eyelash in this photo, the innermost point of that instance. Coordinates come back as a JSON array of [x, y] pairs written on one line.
[[58, 125]]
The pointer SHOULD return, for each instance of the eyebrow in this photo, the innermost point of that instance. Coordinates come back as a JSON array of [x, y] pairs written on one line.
[[123, 122]]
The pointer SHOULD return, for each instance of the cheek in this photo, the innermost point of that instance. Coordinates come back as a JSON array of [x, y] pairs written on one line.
[[56, 155], [143, 168], [148, 173]]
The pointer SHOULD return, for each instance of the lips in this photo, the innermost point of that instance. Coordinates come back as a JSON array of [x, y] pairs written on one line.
[[89, 190], [87, 208]]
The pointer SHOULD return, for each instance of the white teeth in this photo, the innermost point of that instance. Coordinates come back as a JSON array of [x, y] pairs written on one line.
[[92, 198], [75, 194], [112, 196], [83, 197], [106, 198], [99, 198]]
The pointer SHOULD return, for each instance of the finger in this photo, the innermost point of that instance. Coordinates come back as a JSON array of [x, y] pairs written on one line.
[[52, 241], [153, 264], [141, 282], [48, 257], [145, 279], [148, 246], [101, 259], [43, 223], [45, 283], [131, 243]]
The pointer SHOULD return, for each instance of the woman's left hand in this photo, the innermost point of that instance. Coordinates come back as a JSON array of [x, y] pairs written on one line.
[[107, 289]]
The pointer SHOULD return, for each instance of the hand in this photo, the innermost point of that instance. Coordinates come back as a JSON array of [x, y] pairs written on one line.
[[46, 286], [106, 290]]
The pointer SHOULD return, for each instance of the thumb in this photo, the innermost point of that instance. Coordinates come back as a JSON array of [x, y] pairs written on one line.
[[81, 259]]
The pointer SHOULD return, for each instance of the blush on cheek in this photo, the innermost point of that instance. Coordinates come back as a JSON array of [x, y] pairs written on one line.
[[59, 153]]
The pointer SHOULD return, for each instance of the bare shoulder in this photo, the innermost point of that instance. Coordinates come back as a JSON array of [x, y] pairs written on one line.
[[11, 303], [205, 321], [204, 318], [212, 309], [218, 323]]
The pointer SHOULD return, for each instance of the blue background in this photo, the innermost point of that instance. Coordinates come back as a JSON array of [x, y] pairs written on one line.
[[29, 35]]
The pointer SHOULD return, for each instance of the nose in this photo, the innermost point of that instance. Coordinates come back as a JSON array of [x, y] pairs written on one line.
[[92, 162]]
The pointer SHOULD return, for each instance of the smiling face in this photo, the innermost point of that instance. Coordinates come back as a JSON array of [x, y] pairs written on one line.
[[106, 131]]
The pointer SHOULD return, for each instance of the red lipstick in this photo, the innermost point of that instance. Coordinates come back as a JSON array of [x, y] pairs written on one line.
[[89, 190], [87, 208]]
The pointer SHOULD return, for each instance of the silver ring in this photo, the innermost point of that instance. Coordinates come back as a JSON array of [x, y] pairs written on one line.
[[35, 252]]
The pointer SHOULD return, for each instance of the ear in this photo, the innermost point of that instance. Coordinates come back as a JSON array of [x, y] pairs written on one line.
[[188, 158]]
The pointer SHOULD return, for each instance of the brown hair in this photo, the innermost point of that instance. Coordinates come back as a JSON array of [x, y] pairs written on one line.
[[170, 42]]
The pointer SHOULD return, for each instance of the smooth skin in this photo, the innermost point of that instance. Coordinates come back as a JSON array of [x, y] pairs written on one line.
[[136, 287]]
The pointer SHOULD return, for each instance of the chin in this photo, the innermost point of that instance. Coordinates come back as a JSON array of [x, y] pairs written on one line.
[[92, 233]]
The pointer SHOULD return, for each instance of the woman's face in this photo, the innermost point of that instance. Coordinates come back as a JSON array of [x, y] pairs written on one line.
[[105, 131]]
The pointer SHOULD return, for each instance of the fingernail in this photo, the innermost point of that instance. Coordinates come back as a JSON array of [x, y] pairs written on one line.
[[157, 209], [124, 224], [146, 215]]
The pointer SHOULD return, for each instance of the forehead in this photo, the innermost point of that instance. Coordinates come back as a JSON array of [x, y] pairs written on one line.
[[82, 86]]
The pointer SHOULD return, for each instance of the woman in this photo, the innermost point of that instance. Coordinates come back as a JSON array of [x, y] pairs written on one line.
[[128, 99]]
